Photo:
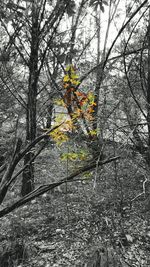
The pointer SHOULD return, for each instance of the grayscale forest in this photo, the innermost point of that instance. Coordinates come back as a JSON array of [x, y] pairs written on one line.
[[74, 133]]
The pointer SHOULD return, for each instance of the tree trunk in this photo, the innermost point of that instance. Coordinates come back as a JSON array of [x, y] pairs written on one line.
[[98, 73], [96, 144], [148, 93], [28, 174]]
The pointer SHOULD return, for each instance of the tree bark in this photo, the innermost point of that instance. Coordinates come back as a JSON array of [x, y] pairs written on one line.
[[98, 72], [148, 93], [28, 174]]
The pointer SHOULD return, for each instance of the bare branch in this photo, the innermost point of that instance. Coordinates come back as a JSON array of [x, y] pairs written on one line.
[[103, 63]]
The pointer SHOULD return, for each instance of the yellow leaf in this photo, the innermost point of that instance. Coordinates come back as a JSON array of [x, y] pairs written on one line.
[[68, 68], [93, 132], [58, 136], [66, 78], [74, 82], [74, 76], [91, 96], [59, 102]]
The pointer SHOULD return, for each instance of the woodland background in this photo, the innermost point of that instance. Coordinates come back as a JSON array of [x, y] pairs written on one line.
[[74, 133]]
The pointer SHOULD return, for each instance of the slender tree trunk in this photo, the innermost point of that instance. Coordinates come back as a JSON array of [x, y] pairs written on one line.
[[148, 94], [96, 144], [98, 72], [28, 174], [147, 157]]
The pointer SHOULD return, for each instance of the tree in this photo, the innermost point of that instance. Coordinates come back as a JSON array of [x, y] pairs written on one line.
[[137, 87], [33, 29], [137, 75]]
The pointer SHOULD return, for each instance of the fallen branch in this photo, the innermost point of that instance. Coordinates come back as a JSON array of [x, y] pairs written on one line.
[[45, 188]]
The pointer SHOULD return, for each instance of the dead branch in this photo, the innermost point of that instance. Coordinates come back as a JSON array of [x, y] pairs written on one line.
[[45, 188]]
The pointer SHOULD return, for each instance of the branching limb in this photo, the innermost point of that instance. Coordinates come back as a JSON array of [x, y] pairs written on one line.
[[103, 64]]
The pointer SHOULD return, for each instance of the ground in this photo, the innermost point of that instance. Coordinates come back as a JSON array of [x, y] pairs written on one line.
[[80, 221]]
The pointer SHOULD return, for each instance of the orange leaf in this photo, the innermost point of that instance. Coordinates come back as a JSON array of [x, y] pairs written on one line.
[[81, 94], [66, 85], [90, 110]]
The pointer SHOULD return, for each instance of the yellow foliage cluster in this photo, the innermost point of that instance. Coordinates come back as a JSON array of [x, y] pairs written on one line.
[[75, 156], [59, 102], [60, 135], [71, 78]]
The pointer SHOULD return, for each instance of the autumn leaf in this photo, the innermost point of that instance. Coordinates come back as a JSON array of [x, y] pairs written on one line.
[[75, 156], [66, 85], [66, 78], [93, 132], [90, 110], [69, 67], [80, 94], [74, 82], [58, 136], [59, 102], [74, 76]]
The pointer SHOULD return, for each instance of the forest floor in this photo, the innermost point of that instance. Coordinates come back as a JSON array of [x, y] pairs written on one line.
[[78, 222]]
